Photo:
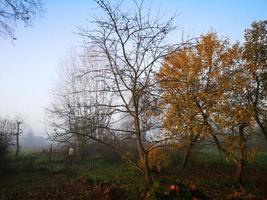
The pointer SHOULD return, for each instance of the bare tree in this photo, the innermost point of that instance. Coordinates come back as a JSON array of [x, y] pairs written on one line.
[[13, 12], [74, 116], [131, 46]]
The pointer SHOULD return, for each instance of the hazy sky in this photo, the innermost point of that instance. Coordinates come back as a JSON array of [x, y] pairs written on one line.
[[29, 65]]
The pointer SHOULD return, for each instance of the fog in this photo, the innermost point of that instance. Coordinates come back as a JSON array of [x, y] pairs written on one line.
[[31, 141]]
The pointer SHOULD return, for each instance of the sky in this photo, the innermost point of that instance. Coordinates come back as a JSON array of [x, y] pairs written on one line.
[[30, 64]]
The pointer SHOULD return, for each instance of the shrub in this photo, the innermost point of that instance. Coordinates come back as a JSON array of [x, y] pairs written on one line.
[[7, 129]]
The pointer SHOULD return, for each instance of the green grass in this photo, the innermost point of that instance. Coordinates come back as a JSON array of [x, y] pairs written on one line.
[[101, 170], [211, 157], [31, 173], [261, 159]]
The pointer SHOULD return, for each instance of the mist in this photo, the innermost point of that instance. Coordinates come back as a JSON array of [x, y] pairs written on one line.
[[31, 141]]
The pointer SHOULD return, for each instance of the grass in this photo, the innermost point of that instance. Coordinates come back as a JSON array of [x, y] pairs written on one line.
[[32, 176], [261, 159]]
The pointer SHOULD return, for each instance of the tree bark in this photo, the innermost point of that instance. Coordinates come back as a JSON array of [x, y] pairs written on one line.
[[241, 160], [147, 171], [143, 155]]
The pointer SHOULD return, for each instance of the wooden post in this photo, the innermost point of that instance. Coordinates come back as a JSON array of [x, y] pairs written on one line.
[[19, 131]]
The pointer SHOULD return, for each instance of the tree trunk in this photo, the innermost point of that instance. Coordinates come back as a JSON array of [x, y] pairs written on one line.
[[148, 176], [144, 156], [241, 160], [189, 151], [141, 150], [187, 154]]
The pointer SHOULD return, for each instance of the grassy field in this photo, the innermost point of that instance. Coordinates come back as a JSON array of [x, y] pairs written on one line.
[[32, 176]]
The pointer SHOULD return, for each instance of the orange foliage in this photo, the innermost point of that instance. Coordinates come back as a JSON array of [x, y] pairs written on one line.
[[205, 89], [158, 160], [198, 79]]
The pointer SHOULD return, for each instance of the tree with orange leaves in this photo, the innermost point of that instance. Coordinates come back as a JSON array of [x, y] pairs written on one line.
[[203, 88]]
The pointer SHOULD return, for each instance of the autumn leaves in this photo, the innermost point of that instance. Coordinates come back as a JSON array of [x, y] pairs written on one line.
[[208, 89]]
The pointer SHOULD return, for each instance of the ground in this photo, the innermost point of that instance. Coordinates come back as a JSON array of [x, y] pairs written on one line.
[[32, 176]]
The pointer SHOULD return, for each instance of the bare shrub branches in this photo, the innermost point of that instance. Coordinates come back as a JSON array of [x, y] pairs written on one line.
[[13, 12]]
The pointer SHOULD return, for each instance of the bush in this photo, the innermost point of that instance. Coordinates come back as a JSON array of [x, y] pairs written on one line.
[[7, 130]]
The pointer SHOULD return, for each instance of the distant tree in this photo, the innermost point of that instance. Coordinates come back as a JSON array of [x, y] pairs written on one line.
[[255, 61], [73, 114], [13, 12]]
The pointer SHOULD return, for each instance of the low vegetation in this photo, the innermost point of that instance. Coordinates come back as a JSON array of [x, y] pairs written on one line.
[[32, 176]]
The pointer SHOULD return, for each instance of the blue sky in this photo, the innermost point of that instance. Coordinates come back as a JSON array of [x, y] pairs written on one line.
[[29, 65]]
